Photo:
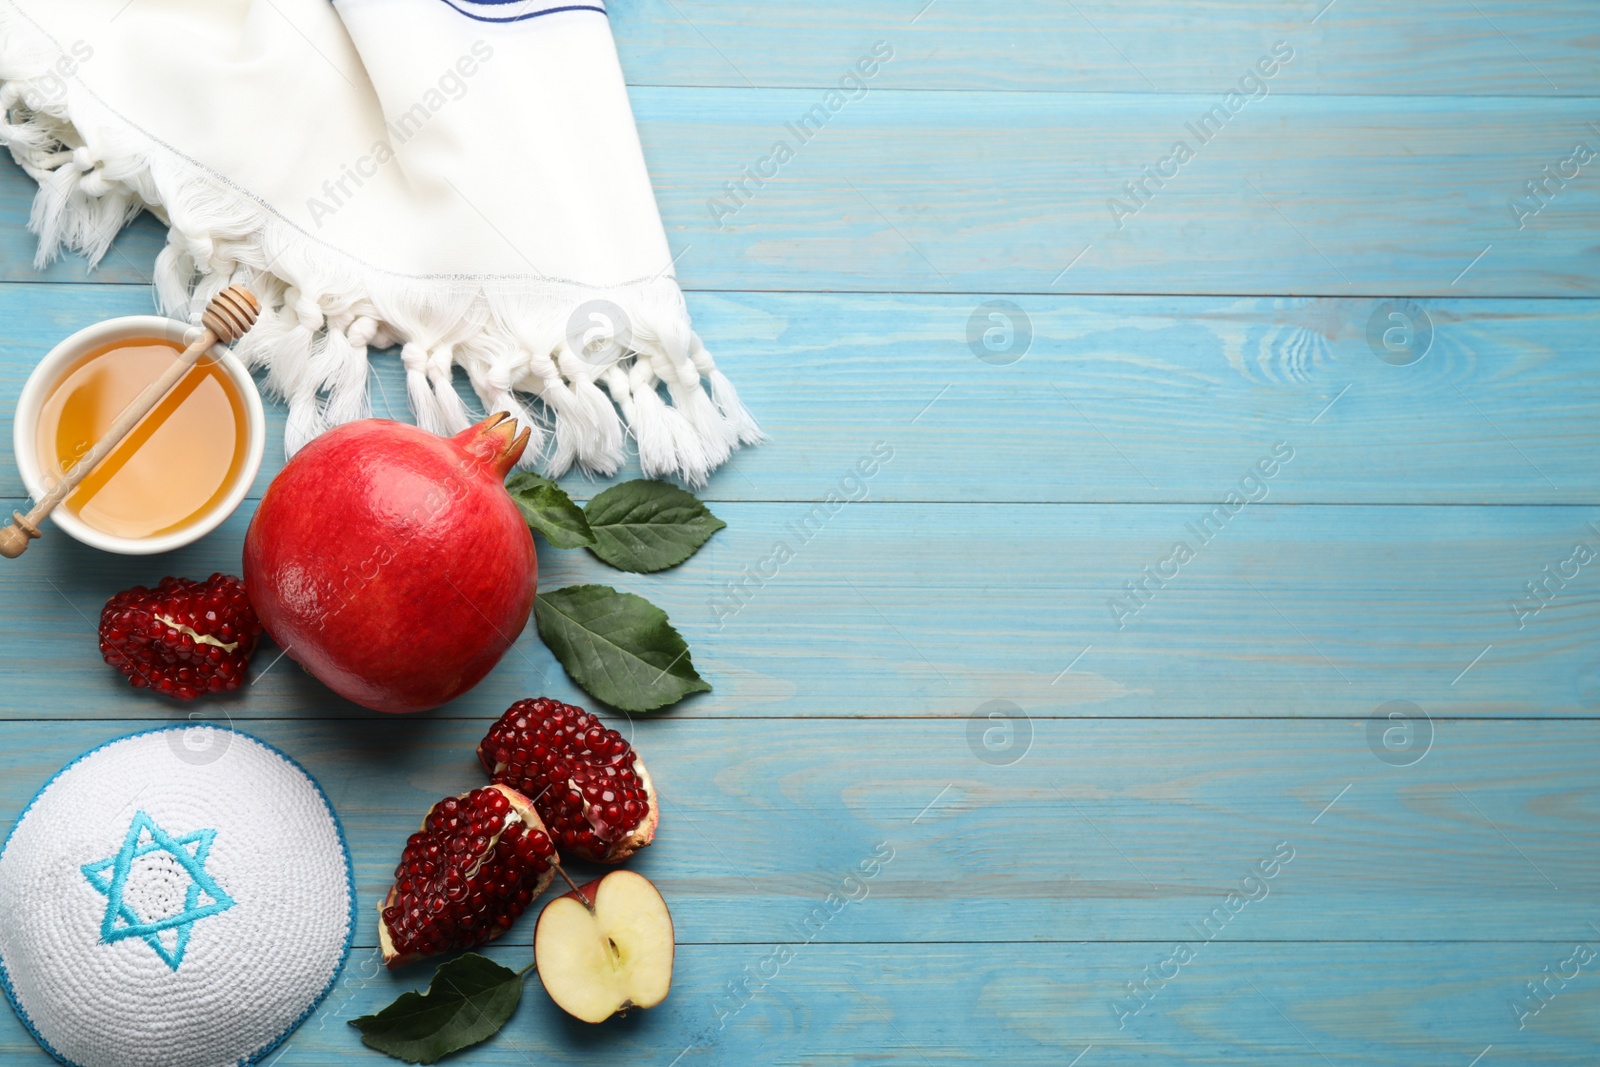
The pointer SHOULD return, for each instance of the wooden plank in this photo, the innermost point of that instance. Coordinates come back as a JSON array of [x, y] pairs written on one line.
[[1452, 47], [1294, 1005], [1296, 194], [1046, 1005], [931, 610], [1099, 831], [1155, 399]]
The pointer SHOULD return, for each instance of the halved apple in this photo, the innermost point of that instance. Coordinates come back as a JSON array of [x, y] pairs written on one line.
[[605, 947]]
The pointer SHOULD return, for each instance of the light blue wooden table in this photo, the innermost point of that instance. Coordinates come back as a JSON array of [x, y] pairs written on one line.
[[1059, 885]]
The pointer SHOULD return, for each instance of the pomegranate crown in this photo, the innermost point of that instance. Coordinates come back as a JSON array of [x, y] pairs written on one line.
[[495, 441]]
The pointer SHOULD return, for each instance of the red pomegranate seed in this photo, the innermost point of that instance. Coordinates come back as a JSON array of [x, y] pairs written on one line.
[[479, 861], [182, 638], [586, 781]]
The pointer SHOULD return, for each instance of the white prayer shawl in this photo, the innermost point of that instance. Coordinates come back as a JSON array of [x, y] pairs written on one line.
[[461, 177]]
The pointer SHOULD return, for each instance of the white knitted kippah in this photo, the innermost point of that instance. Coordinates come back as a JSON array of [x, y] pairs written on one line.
[[175, 898]]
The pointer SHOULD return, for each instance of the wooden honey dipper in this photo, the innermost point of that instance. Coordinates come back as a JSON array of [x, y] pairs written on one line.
[[228, 317]]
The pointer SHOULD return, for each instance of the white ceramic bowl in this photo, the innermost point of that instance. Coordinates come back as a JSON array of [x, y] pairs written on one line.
[[25, 426]]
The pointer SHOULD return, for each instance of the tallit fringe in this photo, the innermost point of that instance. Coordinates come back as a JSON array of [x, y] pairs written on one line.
[[322, 312]]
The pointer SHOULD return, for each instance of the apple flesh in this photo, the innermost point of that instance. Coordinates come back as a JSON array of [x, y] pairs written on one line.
[[609, 954]]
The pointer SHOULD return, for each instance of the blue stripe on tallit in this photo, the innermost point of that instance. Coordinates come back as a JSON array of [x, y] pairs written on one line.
[[465, 7]]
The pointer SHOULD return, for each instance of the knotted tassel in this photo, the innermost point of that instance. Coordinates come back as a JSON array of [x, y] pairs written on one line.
[[452, 409], [174, 271], [723, 394], [348, 398], [668, 445], [712, 433], [300, 374], [599, 448], [573, 424], [424, 404], [492, 377]]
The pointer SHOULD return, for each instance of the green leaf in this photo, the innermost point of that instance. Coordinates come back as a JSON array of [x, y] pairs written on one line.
[[468, 1001], [619, 647], [551, 511], [645, 526]]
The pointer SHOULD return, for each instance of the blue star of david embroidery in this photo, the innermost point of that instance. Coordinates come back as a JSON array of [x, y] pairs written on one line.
[[203, 898]]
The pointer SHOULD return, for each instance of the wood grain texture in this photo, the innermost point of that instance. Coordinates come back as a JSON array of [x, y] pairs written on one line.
[[1351, 1005], [1091, 831], [1297, 195], [1455, 47], [1288, 612], [1110, 399]]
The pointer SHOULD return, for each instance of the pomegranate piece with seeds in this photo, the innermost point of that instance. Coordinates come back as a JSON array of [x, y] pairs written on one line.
[[477, 863], [588, 784], [183, 637]]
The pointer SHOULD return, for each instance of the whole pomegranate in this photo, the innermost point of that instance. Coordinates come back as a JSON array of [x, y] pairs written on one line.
[[391, 563]]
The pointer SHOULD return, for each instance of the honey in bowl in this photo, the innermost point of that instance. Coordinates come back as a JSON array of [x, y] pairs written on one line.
[[175, 466]]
